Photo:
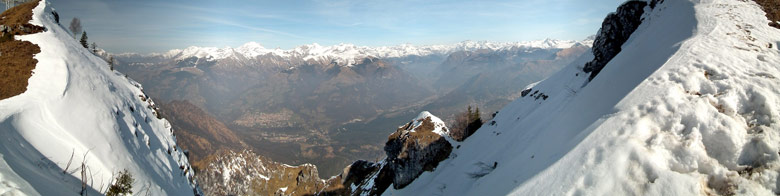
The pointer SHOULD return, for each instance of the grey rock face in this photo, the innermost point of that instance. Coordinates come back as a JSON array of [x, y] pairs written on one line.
[[358, 171], [410, 153], [411, 150], [615, 30]]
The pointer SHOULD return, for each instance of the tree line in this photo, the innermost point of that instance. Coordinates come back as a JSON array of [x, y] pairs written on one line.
[[76, 29]]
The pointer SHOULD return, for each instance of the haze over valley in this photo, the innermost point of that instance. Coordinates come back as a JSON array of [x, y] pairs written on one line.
[[348, 97], [325, 104]]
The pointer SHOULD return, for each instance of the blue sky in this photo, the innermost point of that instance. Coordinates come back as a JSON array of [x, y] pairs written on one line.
[[155, 26]]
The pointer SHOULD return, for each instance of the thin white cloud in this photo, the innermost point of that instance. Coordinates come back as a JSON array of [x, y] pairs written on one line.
[[249, 27]]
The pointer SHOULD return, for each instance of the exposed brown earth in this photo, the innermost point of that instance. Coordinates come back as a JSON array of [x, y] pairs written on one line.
[[199, 133], [16, 57], [216, 151], [772, 9]]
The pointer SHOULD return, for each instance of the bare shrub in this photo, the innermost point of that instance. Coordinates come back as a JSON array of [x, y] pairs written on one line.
[[75, 26], [466, 123]]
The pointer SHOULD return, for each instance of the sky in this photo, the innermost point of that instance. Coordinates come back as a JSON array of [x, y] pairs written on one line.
[[146, 26]]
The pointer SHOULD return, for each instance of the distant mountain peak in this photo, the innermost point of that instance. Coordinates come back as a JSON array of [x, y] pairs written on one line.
[[348, 54]]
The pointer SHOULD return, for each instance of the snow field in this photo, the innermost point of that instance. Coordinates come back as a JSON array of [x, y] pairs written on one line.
[[689, 107]]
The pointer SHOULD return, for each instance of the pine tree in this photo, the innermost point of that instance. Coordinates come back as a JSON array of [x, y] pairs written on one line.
[[476, 116], [83, 40], [56, 16], [111, 62], [123, 184], [94, 47], [470, 114]]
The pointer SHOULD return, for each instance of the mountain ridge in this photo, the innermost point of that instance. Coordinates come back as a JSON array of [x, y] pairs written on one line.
[[315, 106], [348, 54]]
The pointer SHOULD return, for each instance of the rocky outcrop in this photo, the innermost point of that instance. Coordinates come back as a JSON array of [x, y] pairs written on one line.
[[199, 132], [416, 147], [358, 171], [246, 173], [615, 30], [359, 178]]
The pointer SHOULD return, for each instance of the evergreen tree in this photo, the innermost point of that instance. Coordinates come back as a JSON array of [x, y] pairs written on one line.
[[56, 16], [475, 121], [476, 116], [111, 62], [94, 47], [123, 184], [466, 123], [83, 40]]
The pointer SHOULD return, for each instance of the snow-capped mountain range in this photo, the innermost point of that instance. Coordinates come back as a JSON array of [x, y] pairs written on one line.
[[348, 54]]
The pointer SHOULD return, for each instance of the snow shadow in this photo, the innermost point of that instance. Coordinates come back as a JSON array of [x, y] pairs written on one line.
[[42, 174], [134, 140]]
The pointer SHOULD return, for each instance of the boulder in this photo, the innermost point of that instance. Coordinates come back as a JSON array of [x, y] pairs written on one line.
[[414, 148]]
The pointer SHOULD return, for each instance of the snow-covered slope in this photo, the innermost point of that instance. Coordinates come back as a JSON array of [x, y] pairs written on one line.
[[347, 54], [688, 107], [77, 110]]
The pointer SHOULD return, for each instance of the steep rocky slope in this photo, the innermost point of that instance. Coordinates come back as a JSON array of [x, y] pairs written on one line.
[[199, 133], [615, 31], [246, 173]]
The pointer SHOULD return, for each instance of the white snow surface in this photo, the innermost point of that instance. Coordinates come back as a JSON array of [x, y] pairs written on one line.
[[689, 107], [349, 54], [75, 105]]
